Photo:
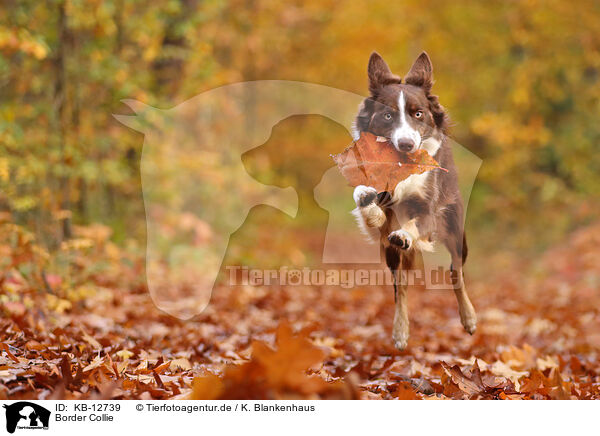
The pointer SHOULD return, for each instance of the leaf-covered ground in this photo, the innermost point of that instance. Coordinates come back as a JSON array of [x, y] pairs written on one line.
[[95, 333]]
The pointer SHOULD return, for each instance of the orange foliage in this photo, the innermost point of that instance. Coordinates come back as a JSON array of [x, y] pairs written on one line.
[[536, 340]]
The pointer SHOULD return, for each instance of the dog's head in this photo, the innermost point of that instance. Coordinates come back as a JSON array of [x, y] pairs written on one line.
[[405, 113]]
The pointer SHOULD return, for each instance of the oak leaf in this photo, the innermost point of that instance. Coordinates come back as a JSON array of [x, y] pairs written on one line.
[[273, 372], [287, 365], [95, 363], [405, 391], [373, 161], [209, 387], [501, 369], [469, 386], [4, 347]]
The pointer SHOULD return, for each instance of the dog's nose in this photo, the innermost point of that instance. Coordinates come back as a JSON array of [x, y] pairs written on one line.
[[406, 146]]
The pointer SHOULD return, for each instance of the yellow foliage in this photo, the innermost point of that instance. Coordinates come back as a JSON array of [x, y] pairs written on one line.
[[56, 304]]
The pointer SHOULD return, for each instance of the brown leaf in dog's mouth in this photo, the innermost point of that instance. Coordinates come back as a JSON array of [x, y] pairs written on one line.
[[374, 162]]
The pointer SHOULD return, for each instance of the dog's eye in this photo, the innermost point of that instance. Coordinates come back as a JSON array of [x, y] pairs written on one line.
[[418, 114], [387, 116]]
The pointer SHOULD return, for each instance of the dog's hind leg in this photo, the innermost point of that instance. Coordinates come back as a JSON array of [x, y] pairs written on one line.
[[468, 318], [453, 237], [400, 330]]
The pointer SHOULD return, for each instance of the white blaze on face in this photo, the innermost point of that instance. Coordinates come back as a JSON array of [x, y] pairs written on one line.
[[405, 132]]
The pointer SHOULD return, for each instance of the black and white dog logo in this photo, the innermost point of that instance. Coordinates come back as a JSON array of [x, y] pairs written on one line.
[[26, 415]]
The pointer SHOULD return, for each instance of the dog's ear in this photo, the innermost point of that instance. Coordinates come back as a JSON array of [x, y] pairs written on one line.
[[440, 117], [365, 113], [421, 73], [379, 74]]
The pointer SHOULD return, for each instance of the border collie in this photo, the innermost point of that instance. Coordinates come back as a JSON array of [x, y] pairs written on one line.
[[424, 209]]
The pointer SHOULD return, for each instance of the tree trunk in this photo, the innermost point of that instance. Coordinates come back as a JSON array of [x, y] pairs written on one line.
[[60, 96]]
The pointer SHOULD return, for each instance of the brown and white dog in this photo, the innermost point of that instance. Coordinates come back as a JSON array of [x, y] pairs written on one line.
[[424, 209]]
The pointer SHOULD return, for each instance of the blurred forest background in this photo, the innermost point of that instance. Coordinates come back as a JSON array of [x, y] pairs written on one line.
[[520, 80]]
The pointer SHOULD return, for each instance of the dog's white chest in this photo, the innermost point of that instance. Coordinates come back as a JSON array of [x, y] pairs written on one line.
[[414, 184]]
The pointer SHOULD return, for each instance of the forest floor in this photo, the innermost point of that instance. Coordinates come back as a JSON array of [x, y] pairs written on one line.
[[101, 336]]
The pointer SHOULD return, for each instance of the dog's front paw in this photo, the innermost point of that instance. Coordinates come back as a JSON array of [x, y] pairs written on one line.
[[364, 195], [400, 239]]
